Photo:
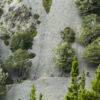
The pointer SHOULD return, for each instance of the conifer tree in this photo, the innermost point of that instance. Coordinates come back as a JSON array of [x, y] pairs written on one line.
[[32, 94], [40, 97], [95, 84], [73, 89], [82, 91]]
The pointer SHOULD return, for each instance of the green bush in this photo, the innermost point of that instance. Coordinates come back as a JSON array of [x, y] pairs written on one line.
[[87, 7], [6, 42], [38, 22], [36, 16], [23, 40], [4, 34], [63, 56], [19, 62], [32, 55], [47, 5], [68, 34], [90, 30], [92, 52]]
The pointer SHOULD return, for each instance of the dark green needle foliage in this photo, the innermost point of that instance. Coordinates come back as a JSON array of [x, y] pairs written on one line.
[[72, 93], [23, 40], [19, 62], [47, 5], [90, 30], [95, 84], [68, 34], [36, 16], [92, 52], [86, 7], [64, 55]]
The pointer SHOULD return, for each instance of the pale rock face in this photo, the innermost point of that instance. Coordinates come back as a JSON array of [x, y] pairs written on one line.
[[63, 13]]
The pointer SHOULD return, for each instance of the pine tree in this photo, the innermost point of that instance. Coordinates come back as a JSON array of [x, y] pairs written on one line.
[[32, 94], [82, 80], [82, 91], [95, 84], [73, 89]]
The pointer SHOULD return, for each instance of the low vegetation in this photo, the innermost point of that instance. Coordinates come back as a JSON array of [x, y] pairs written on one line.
[[33, 95], [68, 34], [47, 5]]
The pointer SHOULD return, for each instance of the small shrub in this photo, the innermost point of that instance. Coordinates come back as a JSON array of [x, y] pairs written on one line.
[[92, 52], [4, 34], [36, 16], [38, 22], [32, 55], [47, 5], [6, 42], [19, 1], [68, 34]]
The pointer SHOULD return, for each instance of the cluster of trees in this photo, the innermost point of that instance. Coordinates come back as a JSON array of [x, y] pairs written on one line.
[[64, 53], [47, 5], [19, 61], [77, 90], [90, 31]]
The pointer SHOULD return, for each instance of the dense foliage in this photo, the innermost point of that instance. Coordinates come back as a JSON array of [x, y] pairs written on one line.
[[23, 40], [92, 52], [86, 7], [47, 5], [68, 34], [95, 84], [77, 89], [72, 93], [64, 55], [90, 29], [19, 62]]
